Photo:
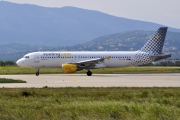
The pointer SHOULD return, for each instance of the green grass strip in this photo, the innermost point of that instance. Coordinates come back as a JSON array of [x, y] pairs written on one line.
[[5, 80], [10, 70], [79, 103]]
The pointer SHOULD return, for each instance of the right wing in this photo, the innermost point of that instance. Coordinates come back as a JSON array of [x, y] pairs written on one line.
[[91, 63]]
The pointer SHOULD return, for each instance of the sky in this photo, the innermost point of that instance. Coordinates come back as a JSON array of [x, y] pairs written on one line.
[[165, 12]]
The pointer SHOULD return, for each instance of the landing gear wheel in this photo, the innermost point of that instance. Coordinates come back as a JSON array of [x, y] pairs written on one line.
[[89, 73], [37, 74]]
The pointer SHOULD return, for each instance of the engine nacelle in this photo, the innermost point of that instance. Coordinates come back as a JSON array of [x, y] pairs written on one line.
[[69, 68]]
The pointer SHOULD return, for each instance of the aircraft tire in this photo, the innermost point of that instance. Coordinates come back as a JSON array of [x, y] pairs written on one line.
[[89, 73], [37, 74]]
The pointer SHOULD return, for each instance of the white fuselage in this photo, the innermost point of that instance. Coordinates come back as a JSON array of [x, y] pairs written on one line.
[[56, 59], [75, 61]]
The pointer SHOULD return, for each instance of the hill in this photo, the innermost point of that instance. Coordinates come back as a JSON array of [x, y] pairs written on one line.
[[35, 25], [128, 41], [124, 41]]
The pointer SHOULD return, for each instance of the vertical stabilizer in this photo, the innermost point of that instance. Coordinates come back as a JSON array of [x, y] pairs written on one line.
[[155, 43]]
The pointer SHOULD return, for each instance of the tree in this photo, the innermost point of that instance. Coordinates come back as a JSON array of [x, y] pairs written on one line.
[[177, 63], [2, 63], [7, 63]]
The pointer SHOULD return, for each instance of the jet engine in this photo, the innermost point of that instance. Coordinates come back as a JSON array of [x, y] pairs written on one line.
[[69, 68]]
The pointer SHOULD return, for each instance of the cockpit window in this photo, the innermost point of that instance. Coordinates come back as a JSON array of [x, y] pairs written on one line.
[[26, 57]]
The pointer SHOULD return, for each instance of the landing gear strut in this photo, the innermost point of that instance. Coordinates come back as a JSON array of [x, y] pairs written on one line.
[[37, 72], [89, 73]]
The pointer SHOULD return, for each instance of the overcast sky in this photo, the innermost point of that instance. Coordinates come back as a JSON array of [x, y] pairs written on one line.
[[166, 12]]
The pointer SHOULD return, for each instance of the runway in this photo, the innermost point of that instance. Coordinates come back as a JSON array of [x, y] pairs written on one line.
[[97, 80]]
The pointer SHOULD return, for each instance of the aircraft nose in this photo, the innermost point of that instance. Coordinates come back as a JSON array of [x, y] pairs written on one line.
[[20, 62]]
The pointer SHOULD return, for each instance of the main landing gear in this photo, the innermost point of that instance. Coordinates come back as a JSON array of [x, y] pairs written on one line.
[[37, 72], [89, 73]]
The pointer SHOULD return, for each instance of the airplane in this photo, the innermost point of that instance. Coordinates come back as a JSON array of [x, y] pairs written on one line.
[[73, 61]]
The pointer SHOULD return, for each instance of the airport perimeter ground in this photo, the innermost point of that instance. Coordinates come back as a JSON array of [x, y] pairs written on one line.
[[97, 80], [151, 96]]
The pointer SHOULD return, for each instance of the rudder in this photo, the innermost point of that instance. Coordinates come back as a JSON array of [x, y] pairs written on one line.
[[155, 43]]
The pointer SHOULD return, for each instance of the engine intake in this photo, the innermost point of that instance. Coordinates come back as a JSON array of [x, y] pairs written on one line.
[[69, 68]]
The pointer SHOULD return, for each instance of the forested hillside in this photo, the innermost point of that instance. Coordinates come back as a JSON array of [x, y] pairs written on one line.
[[128, 41], [125, 41]]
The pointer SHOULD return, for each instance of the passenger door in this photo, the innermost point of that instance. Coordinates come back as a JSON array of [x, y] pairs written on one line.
[[36, 58]]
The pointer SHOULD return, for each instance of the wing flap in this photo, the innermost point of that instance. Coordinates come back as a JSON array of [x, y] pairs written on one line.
[[91, 63]]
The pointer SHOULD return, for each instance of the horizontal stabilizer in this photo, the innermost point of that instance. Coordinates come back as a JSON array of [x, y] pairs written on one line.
[[160, 56]]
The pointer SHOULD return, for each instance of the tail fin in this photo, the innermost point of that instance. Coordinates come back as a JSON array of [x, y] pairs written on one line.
[[156, 42]]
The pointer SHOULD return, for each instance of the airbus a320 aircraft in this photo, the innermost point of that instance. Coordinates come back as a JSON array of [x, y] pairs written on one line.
[[70, 62]]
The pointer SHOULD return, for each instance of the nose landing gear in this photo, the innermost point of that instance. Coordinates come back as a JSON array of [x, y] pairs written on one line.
[[37, 72]]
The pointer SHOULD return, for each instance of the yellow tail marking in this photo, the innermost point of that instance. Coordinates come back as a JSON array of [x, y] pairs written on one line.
[[157, 36]]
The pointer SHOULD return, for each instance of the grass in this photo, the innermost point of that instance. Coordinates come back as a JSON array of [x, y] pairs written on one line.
[[5, 80], [90, 103], [19, 70]]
